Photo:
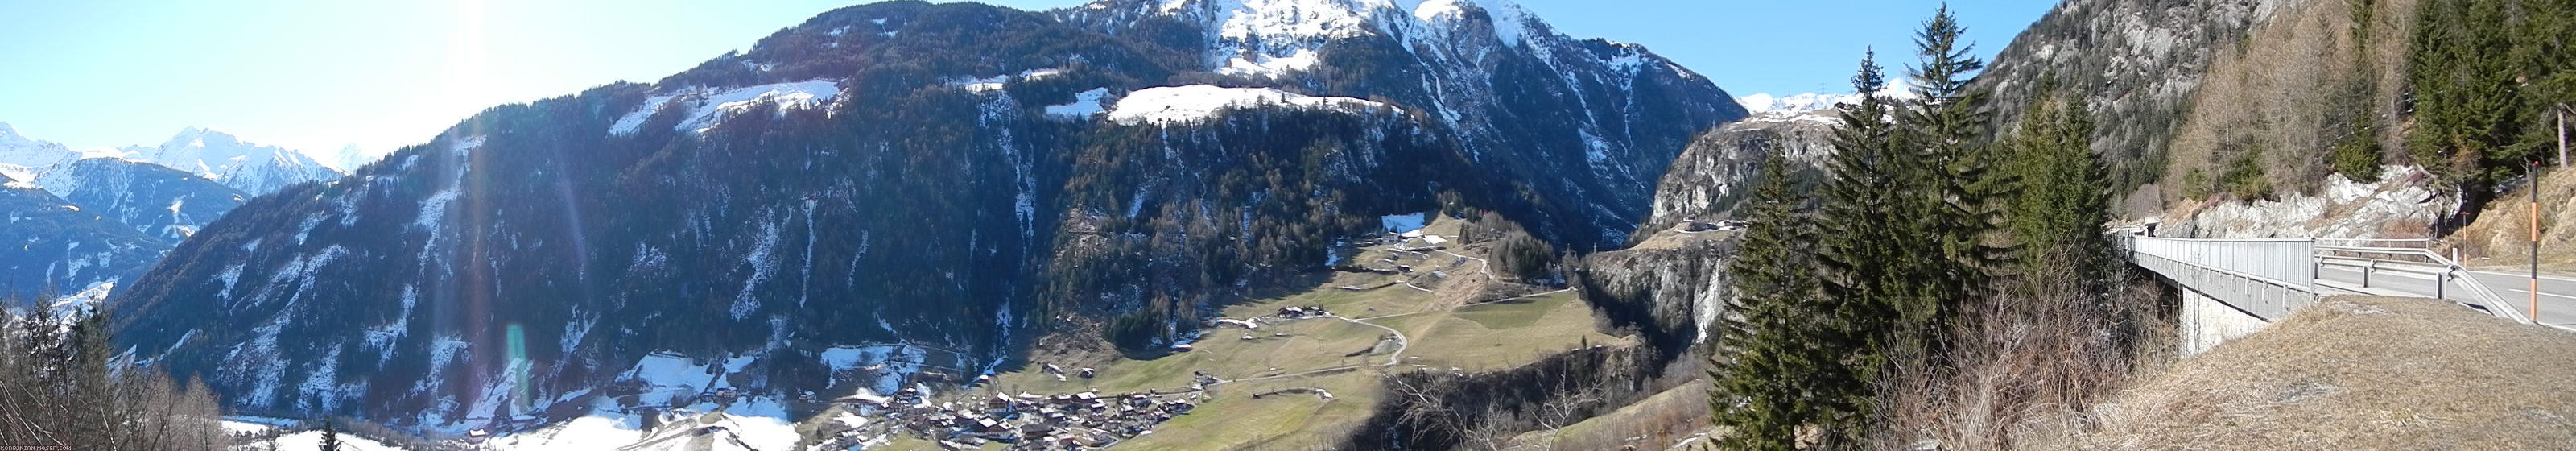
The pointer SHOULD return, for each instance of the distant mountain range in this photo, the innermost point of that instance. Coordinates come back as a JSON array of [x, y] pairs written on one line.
[[91, 219]]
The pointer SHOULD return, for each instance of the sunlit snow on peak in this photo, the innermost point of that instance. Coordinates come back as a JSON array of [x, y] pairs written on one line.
[[1770, 105], [1269, 38]]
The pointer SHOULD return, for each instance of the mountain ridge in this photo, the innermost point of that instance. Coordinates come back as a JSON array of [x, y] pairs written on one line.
[[948, 179]]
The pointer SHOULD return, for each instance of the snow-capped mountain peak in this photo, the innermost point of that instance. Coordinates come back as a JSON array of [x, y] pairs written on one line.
[[1762, 105], [204, 138], [24, 158], [224, 158], [1272, 37]]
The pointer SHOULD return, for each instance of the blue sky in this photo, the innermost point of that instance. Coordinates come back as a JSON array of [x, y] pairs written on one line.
[[317, 75]]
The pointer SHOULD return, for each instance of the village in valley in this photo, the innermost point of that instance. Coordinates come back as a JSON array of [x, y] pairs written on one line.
[[1417, 298]]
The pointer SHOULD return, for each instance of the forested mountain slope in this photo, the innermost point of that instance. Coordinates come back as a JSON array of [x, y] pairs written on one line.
[[2137, 63], [928, 185], [150, 198], [58, 248]]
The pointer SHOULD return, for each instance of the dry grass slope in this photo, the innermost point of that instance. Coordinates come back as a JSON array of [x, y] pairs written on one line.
[[2502, 235], [2359, 373], [1676, 416]]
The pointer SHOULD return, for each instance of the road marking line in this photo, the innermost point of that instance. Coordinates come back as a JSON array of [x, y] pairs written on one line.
[[2523, 291], [2525, 276]]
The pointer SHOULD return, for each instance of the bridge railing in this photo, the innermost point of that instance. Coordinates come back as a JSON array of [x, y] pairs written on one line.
[[2267, 278], [2270, 277], [2281, 259]]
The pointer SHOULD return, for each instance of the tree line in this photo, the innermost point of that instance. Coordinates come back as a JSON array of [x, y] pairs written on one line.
[[1864, 296], [2487, 80]]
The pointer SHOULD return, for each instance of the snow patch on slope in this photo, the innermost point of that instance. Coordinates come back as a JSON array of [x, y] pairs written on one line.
[[762, 260], [1193, 103], [708, 107], [312, 440], [1266, 66], [1084, 106]]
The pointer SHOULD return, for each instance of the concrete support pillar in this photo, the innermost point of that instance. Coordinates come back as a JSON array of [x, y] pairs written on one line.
[[2207, 322]]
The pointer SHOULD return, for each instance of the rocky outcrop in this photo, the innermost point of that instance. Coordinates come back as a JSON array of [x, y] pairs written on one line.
[[2401, 205], [1671, 292], [1717, 170]]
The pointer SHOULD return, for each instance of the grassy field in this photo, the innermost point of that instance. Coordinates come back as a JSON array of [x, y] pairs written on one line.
[[1249, 412]]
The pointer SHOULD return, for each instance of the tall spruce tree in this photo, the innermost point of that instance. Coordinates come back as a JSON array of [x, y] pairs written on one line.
[[1864, 227], [1907, 226], [1957, 182], [1769, 369]]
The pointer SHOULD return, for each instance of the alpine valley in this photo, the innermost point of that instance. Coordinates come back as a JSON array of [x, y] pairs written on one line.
[[897, 193], [1338, 224]]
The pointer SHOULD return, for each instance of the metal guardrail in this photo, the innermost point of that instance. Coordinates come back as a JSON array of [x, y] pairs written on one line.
[[2271, 277], [2446, 273]]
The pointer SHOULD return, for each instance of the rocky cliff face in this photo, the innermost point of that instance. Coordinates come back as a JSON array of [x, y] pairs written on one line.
[[2137, 62], [1712, 175], [899, 192], [1671, 289]]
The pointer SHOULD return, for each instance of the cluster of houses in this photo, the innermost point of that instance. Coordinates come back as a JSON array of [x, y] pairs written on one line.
[[1411, 240], [1696, 225], [1289, 313], [1027, 421], [1302, 312]]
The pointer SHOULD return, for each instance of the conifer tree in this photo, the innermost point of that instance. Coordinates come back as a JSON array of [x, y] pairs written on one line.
[[1907, 226], [1768, 361], [2056, 212], [94, 417], [330, 436], [1957, 179], [1863, 228], [2464, 87]]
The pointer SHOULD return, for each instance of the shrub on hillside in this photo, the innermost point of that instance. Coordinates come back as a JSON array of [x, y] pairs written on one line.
[[2244, 177]]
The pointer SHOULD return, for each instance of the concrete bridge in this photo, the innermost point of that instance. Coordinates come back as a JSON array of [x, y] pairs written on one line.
[[2233, 287]]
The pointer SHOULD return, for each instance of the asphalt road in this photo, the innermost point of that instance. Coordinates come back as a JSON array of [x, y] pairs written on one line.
[[2557, 293]]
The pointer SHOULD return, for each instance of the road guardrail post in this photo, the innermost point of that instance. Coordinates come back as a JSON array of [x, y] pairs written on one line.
[[2366, 269]]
